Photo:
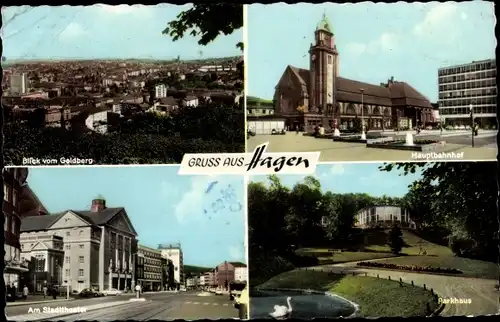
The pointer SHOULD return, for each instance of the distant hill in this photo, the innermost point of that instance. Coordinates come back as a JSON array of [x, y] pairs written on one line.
[[251, 100], [196, 270]]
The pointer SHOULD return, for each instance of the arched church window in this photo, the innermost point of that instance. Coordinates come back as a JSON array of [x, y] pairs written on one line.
[[337, 109], [387, 111], [376, 110], [365, 110]]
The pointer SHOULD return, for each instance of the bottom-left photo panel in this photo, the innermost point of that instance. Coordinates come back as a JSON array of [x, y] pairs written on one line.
[[123, 243]]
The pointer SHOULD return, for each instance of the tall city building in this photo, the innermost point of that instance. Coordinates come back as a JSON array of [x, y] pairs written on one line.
[[461, 86], [174, 253], [160, 91], [152, 277], [19, 83]]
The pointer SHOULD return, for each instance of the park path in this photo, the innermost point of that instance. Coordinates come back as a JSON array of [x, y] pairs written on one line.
[[485, 299]]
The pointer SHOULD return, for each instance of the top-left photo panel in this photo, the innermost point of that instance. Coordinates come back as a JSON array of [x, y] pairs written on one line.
[[97, 85]]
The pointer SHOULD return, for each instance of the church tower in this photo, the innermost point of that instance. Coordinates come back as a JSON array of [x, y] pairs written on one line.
[[323, 69]]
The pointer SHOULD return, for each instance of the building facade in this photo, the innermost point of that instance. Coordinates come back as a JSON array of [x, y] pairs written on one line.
[[98, 245], [383, 216], [160, 91], [240, 272], [319, 96], [173, 252], [13, 181], [19, 83], [152, 276], [225, 273], [207, 279], [46, 251], [469, 84], [193, 282]]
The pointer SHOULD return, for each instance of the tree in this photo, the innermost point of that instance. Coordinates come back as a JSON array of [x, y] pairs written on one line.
[[464, 203], [395, 239], [301, 109], [207, 21]]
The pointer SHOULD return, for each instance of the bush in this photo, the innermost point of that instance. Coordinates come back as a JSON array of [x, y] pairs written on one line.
[[303, 261]]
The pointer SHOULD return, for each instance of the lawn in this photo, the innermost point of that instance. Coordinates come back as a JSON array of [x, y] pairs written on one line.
[[376, 297], [374, 247], [469, 267], [413, 245]]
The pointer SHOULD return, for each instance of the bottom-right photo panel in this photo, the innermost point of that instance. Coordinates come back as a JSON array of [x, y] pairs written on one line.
[[375, 240]]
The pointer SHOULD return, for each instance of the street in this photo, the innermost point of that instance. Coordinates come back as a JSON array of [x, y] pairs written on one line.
[[158, 306]]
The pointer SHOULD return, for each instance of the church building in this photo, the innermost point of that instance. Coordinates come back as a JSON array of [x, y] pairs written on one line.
[[319, 96]]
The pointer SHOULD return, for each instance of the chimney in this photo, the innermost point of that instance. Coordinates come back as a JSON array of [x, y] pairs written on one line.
[[98, 205]]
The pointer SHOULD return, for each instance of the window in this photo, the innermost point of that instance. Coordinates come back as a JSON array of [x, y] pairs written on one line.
[[68, 246], [6, 193], [6, 223], [80, 272], [67, 272], [14, 198], [68, 233], [67, 260], [13, 225], [82, 246], [80, 232], [81, 259], [329, 59]]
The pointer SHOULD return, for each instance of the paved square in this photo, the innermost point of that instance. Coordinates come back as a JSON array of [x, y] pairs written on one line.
[[485, 148]]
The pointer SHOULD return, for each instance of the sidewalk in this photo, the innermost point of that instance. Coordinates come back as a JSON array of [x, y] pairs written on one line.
[[38, 316], [37, 299]]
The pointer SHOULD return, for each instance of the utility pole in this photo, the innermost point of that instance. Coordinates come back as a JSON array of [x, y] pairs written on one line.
[[472, 125]]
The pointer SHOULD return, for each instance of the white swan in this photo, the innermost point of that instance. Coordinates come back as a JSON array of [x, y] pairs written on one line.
[[281, 311]]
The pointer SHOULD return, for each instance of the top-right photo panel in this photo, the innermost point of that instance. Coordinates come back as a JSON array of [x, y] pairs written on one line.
[[373, 82]]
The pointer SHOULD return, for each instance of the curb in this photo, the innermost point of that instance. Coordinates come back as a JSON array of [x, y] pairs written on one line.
[[38, 302], [438, 310], [328, 294]]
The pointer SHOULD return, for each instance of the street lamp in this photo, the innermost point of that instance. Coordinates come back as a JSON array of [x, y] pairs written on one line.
[[363, 135], [471, 108]]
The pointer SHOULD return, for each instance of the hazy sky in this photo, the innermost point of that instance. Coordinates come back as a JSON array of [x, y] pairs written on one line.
[[409, 41], [103, 31], [162, 206], [355, 178]]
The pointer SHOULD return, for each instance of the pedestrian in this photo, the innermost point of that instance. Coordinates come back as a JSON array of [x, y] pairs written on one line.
[[25, 292], [54, 292], [45, 291]]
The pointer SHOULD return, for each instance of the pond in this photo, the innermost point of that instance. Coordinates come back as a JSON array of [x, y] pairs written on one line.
[[304, 306]]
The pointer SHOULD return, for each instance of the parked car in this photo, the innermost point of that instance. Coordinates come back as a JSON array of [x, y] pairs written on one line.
[[112, 291], [218, 292], [87, 292]]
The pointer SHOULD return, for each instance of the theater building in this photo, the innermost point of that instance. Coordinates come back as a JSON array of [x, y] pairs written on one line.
[[320, 96]]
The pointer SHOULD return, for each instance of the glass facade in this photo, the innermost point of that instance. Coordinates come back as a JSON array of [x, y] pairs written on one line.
[[464, 85]]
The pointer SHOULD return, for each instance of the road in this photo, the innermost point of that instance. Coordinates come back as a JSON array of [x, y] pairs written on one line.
[[484, 297], [157, 306]]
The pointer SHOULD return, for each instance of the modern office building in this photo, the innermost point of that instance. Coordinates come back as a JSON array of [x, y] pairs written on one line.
[[461, 86], [152, 277], [160, 91], [19, 83], [173, 252]]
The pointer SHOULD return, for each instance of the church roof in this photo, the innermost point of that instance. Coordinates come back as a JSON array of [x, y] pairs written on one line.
[[324, 24], [393, 93]]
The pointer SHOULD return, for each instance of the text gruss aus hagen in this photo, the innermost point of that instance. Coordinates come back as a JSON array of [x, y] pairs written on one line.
[[256, 163]]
